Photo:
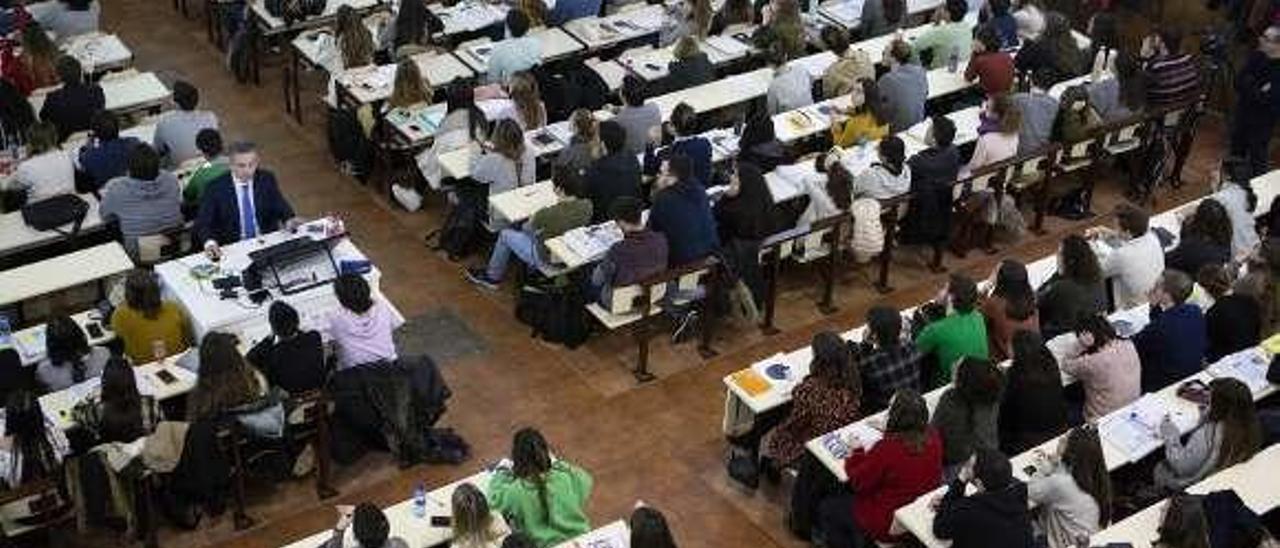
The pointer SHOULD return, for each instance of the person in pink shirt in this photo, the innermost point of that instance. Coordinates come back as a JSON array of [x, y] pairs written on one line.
[[361, 329], [1106, 365]]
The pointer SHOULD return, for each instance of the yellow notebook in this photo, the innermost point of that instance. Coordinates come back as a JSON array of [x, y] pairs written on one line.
[[751, 382]]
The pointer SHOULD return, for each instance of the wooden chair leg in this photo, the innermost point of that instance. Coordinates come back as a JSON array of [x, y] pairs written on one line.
[[707, 328], [324, 485], [826, 305], [770, 293], [641, 333], [886, 257], [241, 519]]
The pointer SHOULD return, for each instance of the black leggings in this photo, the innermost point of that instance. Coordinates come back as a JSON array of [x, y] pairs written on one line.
[[837, 526]]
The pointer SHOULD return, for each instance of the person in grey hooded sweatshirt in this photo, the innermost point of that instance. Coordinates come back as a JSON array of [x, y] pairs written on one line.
[[145, 202]]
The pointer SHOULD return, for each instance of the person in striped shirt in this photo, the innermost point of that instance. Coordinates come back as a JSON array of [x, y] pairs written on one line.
[[1173, 76]]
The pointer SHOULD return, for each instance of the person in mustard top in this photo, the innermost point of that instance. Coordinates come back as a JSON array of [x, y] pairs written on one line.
[[150, 328], [865, 120], [538, 495]]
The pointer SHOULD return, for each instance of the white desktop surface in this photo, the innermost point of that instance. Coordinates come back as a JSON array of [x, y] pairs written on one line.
[[98, 52], [124, 93], [16, 236], [62, 272]]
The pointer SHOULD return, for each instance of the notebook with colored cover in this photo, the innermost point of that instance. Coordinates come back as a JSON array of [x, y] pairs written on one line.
[[751, 382]]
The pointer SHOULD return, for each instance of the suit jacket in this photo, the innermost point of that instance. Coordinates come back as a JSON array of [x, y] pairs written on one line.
[[219, 216]]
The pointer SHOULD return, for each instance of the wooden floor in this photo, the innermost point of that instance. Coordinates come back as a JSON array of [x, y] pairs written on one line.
[[659, 442]]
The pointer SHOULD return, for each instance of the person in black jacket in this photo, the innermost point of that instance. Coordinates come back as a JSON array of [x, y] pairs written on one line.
[[1074, 292], [1234, 322], [691, 66], [760, 145], [1033, 408], [1205, 239], [1258, 102], [290, 358], [614, 175], [994, 517], [71, 107], [933, 171]]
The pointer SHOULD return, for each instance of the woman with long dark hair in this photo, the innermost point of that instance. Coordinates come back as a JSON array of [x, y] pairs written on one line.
[[759, 144], [225, 381], [32, 447], [505, 162], [543, 497], [825, 400], [1010, 307], [1205, 239], [904, 465], [1054, 50], [1074, 292], [746, 210], [649, 529], [1072, 489], [68, 357], [118, 413], [1229, 434], [967, 415], [1184, 524], [1034, 408]]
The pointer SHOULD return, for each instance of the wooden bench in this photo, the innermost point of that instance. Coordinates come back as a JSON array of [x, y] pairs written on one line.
[[892, 210], [821, 239], [637, 304], [1033, 171]]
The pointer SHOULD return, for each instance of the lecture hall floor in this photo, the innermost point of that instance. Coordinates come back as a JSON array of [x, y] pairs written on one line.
[[659, 442]]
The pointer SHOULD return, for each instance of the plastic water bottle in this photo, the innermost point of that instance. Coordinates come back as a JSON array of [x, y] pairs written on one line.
[[420, 501], [953, 62]]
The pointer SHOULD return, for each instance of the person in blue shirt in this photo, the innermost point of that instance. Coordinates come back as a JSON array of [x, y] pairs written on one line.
[[1173, 346], [517, 53], [1000, 20], [682, 213], [685, 142], [106, 156], [568, 10]]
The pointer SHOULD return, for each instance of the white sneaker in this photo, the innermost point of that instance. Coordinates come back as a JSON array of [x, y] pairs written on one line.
[[407, 197]]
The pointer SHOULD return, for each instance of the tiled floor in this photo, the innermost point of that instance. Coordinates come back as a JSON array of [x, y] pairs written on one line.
[[659, 442]]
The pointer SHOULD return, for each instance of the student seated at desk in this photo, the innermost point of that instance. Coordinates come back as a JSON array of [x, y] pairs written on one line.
[[1076, 118], [1033, 408], [1074, 291], [106, 155], [150, 328], [933, 172], [1071, 489], [355, 48], [887, 177], [503, 163], [1184, 523], [1205, 239], [368, 525], [996, 516], [69, 18], [1054, 52], [1233, 189], [176, 131], [474, 525], [745, 212], [542, 496], [49, 170], [1010, 307], [865, 120], [215, 165], [613, 176], [72, 106], [1002, 22], [881, 17], [733, 12], [1228, 434], [828, 195], [790, 88], [967, 415], [1039, 112], [638, 119], [1174, 344], [681, 213], [32, 447], [16, 114], [413, 27], [68, 357], [949, 41], [243, 204], [228, 388], [963, 333], [361, 330], [641, 253], [1235, 321], [689, 66], [463, 125], [1000, 142], [991, 66], [515, 54], [649, 528], [583, 149], [686, 19], [1173, 76], [1131, 255], [885, 360], [781, 27], [1123, 95], [904, 88], [291, 359], [528, 244], [904, 465], [410, 88], [568, 10], [35, 68], [685, 141], [145, 202], [1107, 366], [824, 401], [852, 65], [117, 413]]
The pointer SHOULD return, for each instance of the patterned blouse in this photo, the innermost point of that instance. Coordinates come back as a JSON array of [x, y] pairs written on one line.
[[818, 406]]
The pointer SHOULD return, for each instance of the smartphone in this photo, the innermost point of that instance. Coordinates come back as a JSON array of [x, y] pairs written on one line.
[[544, 139], [95, 330], [1029, 470], [166, 377], [441, 521]]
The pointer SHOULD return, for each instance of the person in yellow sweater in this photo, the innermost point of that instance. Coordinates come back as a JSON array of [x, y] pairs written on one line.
[[865, 121], [150, 328]]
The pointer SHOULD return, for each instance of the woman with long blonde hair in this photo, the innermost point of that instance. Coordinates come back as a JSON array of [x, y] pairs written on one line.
[[355, 42], [527, 101], [474, 524], [410, 87], [584, 147]]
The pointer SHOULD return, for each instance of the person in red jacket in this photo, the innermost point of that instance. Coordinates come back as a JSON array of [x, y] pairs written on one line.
[[904, 465]]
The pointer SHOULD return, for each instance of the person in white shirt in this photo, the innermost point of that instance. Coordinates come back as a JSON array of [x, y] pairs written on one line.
[[515, 54], [49, 170], [1132, 256], [791, 87], [1233, 191], [175, 137]]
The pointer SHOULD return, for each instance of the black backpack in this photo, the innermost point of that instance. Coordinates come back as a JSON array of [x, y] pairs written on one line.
[[460, 234], [51, 213], [348, 143], [577, 86], [556, 314]]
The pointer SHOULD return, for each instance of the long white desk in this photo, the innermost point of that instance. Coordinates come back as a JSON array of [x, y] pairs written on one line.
[[98, 52], [207, 312], [721, 93], [30, 342], [847, 13], [63, 272], [555, 43], [652, 64], [601, 32], [373, 83], [469, 16], [58, 405], [516, 205], [16, 236], [615, 534], [124, 93], [272, 23]]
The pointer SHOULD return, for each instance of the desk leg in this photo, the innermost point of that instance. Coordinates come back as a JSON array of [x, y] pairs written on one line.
[[256, 51], [770, 292], [886, 254]]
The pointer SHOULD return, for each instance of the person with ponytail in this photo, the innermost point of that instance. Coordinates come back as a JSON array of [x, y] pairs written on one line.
[[1071, 489], [541, 496], [32, 446], [68, 357]]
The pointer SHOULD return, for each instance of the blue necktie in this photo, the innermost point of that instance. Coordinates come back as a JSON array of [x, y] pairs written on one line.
[[248, 222]]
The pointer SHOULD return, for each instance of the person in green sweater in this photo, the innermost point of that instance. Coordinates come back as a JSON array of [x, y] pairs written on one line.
[[215, 165], [538, 495], [963, 333], [528, 243]]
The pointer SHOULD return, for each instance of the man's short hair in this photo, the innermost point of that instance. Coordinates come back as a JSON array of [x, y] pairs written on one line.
[[1044, 78], [684, 119], [613, 135], [957, 9], [242, 147], [944, 130], [992, 468], [144, 163], [633, 90], [885, 324], [283, 318], [963, 293], [105, 125], [185, 95], [370, 525], [900, 50], [988, 36], [517, 22], [69, 70], [1132, 219], [835, 39], [1177, 284], [209, 141], [627, 209], [681, 167]]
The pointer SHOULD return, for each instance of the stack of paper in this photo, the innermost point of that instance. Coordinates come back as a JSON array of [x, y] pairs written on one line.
[[1135, 429], [1248, 366], [724, 141], [30, 344], [592, 242]]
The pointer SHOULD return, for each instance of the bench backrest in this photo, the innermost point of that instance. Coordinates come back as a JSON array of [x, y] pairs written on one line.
[[628, 299]]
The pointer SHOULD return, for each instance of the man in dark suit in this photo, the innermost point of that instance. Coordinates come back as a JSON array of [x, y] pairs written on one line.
[[244, 203]]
